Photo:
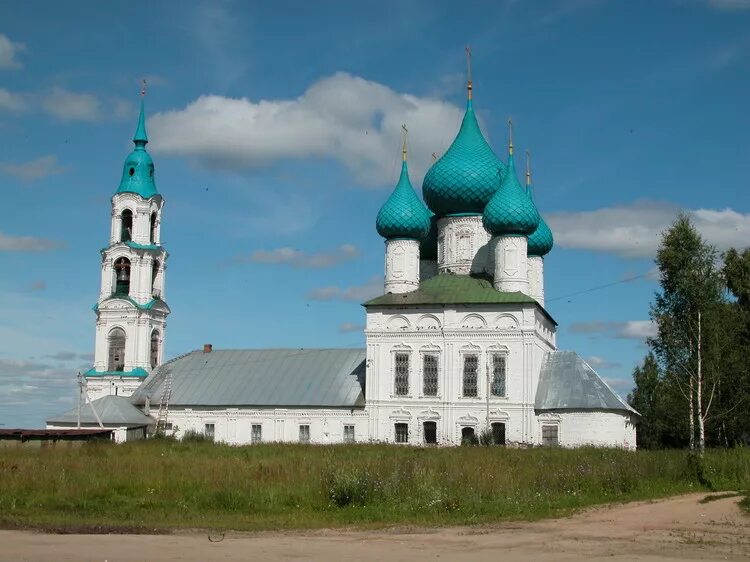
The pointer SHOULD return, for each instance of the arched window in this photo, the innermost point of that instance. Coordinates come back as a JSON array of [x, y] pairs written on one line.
[[156, 293], [122, 276], [153, 228], [155, 345], [116, 341], [467, 436], [127, 226]]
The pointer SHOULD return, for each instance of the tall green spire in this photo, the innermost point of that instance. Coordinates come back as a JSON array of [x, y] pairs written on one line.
[[140, 139], [138, 172]]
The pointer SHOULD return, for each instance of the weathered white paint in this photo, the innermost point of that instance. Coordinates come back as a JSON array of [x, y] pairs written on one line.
[[599, 428], [462, 245], [511, 264], [401, 265]]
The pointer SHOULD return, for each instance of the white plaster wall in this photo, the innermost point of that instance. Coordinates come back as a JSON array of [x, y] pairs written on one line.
[[511, 264], [401, 266], [142, 209], [536, 278], [462, 245], [522, 333], [111, 386], [593, 428], [234, 425]]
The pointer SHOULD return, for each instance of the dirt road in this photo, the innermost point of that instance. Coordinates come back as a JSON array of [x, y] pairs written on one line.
[[673, 529]]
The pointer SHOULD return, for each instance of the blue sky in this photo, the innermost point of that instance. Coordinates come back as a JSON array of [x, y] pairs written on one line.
[[275, 133]]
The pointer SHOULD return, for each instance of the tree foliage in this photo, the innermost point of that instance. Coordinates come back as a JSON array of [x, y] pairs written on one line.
[[694, 386]]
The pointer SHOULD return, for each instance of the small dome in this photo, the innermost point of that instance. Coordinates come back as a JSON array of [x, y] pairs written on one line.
[[540, 241], [138, 172], [403, 215], [428, 249], [510, 211], [464, 179]]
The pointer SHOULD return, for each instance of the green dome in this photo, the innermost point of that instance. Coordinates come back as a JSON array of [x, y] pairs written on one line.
[[540, 241], [403, 215], [138, 172], [510, 211], [428, 249], [464, 179]]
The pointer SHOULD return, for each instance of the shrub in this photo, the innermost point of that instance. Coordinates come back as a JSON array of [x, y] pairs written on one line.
[[193, 436]]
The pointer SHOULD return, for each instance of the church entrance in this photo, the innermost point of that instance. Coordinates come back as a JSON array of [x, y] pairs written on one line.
[[498, 433], [467, 436], [430, 432]]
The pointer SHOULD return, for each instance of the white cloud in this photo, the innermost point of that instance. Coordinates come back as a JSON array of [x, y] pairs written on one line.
[[344, 117], [72, 106], [355, 293], [730, 4], [350, 328], [10, 101], [597, 362], [634, 231], [300, 259], [9, 51], [34, 169], [633, 329], [9, 243]]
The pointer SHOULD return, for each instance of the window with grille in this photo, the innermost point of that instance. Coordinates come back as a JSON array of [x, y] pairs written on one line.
[[304, 434], [256, 435], [430, 375], [550, 435], [498, 375], [498, 433], [348, 434], [209, 430], [402, 432], [402, 374], [471, 366]]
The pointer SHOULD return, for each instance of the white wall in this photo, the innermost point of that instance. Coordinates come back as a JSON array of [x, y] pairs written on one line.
[[234, 425], [521, 332], [596, 428]]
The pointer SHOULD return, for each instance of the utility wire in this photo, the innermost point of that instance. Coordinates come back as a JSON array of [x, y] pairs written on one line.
[[600, 287]]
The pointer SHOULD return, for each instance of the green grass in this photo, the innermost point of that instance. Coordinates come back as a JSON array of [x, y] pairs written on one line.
[[160, 484]]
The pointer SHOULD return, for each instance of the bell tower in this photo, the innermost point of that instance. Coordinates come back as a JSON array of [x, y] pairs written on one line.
[[131, 311]]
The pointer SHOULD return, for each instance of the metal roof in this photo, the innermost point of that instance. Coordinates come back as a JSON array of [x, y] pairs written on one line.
[[262, 377], [112, 410], [568, 382], [448, 288]]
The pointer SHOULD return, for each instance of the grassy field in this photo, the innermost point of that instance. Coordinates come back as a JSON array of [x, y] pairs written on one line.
[[161, 484]]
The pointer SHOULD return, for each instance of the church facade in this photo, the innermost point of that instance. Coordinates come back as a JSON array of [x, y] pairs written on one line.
[[459, 347]]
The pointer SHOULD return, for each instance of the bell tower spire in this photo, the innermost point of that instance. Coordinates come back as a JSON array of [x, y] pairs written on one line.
[[131, 310]]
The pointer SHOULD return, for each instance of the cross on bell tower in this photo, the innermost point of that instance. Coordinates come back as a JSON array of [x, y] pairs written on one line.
[[131, 311]]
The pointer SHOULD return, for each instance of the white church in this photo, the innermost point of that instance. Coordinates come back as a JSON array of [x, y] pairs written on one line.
[[460, 344]]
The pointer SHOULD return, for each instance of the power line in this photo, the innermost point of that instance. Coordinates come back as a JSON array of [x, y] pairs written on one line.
[[600, 287]]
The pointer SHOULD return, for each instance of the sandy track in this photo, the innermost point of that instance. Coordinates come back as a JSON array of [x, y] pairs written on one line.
[[674, 529]]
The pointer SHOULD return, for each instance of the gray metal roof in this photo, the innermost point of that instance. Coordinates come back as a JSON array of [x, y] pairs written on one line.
[[113, 410], [568, 382], [261, 377]]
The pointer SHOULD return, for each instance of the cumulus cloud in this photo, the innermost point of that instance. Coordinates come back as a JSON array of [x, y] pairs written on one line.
[[72, 106], [299, 259], [9, 243], [349, 327], [9, 51], [355, 293], [633, 329], [344, 117], [597, 362], [10, 101], [634, 231], [33, 170]]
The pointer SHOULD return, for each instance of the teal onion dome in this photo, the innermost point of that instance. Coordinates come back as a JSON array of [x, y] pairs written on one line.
[[428, 248], [403, 215], [510, 211], [138, 172], [540, 241], [464, 179]]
